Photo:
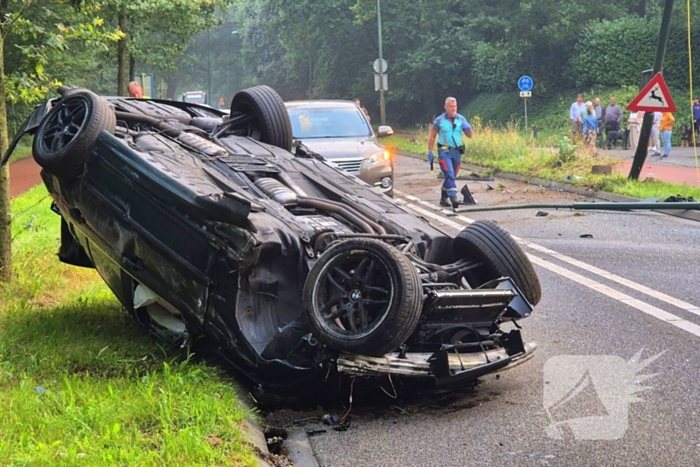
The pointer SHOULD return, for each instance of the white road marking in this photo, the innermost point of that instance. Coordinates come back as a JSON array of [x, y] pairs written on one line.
[[597, 286], [617, 295], [683, 305]]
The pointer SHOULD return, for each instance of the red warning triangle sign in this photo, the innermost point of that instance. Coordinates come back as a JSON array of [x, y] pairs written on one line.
[[655, 97]]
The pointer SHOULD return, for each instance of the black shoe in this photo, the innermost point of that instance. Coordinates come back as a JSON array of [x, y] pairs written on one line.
[[454, 201], [443, 199]]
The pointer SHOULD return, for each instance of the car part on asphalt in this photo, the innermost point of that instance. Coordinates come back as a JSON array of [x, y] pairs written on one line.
[[211, 233]]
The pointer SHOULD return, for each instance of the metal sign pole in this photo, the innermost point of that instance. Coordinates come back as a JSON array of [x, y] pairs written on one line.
[[382, 110], [525, 84], [644, 132]]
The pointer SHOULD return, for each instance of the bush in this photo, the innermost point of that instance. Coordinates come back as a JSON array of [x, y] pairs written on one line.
[[614, 53], [496, 66]]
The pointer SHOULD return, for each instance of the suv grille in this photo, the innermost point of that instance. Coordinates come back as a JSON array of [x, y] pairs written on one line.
[[349, 165]]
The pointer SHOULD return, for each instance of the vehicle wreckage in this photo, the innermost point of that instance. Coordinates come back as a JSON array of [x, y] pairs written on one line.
[[218, 229]]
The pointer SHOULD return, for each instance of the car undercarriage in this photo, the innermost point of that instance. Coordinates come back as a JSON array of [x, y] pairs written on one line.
[[214, 228]]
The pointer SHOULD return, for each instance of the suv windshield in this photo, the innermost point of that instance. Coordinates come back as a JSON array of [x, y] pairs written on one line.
[[345, 122]]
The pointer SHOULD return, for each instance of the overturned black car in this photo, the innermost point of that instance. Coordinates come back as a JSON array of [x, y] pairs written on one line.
[[214, 228]]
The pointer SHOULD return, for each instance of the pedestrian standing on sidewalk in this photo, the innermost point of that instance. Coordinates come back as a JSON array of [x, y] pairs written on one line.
[[448, 129], [633, 123], [576, 117], [590, 129], [696, 118], [666, 127], [612, 119], [655, 141], [600, 116]]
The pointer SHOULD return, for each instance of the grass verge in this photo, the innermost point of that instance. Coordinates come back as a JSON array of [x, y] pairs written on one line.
[[23, 149], [82, 384], [505, 150]]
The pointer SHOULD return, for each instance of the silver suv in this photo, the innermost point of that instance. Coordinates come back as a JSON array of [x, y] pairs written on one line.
[[339, 131]]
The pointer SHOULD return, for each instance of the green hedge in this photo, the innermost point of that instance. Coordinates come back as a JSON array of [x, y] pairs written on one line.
[[614, 53]]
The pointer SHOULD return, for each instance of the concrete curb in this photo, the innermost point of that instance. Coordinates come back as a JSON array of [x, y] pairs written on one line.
[[251, 429], [297, 446], [684, 214], [299, 449]]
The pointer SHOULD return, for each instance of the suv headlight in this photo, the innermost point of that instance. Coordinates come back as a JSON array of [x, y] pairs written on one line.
[[379, 157]]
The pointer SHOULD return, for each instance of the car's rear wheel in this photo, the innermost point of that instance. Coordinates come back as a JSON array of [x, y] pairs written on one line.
[[363, 296], [500, 256], [262, 115], [69, 131]]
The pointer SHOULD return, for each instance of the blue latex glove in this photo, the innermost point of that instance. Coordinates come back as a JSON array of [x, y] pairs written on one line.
[[431, 158]]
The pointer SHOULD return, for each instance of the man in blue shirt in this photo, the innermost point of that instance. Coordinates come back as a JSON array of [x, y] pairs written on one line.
[[696, 118], [448, 129]]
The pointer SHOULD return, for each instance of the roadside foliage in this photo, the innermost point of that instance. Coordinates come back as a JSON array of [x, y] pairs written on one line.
[[82, 384]]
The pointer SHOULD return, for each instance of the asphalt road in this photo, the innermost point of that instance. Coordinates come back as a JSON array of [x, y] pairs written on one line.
[[629, 285]]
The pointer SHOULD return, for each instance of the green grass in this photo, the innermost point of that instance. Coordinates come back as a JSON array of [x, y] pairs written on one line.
[[548, 110], [82, 384], [506, 150], [23, 149]]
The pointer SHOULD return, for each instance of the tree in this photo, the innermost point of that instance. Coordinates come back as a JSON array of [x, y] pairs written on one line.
[[157, 32], [30, 33]]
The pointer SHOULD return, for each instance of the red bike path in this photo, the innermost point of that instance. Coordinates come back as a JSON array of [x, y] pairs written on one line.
[[666, 173], [24, 174]]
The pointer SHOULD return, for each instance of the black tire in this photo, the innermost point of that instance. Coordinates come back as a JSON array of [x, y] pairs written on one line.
[[500, 255], [345, 278], [67, 134], [270, 119]]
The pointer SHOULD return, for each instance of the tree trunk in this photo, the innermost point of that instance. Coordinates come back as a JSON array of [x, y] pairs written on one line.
[[172, 82], [132, 67], [122, 59], [5, 214], [642, 8]]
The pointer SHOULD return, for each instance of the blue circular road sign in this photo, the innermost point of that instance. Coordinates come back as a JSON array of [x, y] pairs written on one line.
[[525, 83]]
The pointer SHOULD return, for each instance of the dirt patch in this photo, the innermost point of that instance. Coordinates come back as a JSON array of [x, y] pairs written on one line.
[[413, 176]]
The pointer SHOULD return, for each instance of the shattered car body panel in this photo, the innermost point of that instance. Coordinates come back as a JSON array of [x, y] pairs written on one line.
[[209, 230]]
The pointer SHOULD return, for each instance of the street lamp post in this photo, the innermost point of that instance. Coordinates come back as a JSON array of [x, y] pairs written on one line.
[[209, 67], [382, 110], [235, 34]]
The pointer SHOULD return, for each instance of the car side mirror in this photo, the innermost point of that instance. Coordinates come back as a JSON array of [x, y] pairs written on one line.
[[384, 130]]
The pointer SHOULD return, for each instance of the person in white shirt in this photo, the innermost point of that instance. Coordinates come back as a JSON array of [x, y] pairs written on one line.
[[575, 115], [654, 139], [634, 123]]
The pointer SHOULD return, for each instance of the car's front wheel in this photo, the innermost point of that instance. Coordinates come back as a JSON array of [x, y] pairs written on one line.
[[69, 131], [363, 296]]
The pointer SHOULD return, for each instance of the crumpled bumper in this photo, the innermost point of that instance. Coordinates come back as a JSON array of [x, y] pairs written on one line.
[[444, 367]]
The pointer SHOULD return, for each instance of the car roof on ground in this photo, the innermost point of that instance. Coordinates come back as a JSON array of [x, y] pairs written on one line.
[[318, 104]]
